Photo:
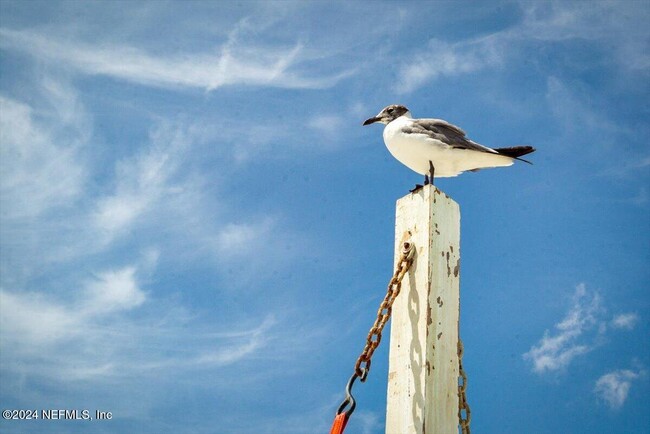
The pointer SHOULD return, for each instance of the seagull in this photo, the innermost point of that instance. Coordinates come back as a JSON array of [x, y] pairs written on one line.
[[434, 146]]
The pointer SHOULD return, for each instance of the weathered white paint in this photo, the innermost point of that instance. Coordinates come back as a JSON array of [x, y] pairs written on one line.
[[423, 361]]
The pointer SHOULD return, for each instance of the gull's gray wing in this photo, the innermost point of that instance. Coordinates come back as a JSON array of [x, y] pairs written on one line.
[[445, 132]]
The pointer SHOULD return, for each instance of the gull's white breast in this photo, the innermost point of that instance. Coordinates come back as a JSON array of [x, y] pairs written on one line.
[[416, 150]]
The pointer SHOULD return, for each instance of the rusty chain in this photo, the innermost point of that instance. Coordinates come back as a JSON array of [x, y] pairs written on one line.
[[362, 367], [462, 397]]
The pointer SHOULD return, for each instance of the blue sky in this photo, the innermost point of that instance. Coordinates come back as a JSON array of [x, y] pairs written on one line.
[[196, 231]]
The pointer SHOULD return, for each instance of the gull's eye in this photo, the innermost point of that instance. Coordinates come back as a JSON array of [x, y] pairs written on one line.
[[390, 110]]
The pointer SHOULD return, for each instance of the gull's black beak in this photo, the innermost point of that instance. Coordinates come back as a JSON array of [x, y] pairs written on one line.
[[371, 120]]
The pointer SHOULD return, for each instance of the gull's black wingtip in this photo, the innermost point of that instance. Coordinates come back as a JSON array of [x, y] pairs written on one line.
[[516, 152]]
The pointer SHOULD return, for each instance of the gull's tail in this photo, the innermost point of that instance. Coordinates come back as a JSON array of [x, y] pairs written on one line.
[[516, 152]]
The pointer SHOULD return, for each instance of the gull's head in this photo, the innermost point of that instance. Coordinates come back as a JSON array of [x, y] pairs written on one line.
[[389, 114]]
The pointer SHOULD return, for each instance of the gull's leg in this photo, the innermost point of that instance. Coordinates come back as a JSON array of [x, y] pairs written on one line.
[[432, 170], [426, 180]]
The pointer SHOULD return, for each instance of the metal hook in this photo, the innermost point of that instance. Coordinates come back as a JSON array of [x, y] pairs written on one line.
[[349, 399]]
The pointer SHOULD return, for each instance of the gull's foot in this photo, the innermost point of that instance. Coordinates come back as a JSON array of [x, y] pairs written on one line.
[[416, 188]]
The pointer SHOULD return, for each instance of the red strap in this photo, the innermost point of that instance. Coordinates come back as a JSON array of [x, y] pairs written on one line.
[[339, 423]]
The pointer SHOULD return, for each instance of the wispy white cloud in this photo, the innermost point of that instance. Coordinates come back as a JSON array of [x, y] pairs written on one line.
[[581, 330], [160, 190], [47, 189], [557, 351], [235, 239], [18, 311], [41, 154], [63, 343], [46, 173], [70, 316], [113, 290], [614, 387], [625, 321], [445, 59], [157, 189], [143, 180], [255, 340], [233, 63], [617, 24], [549, 22]]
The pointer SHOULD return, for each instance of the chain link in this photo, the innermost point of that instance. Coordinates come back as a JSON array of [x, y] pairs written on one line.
[[462, 397], [362, 367]]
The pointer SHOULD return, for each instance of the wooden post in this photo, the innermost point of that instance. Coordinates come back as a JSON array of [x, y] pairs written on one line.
[[423, 360]]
